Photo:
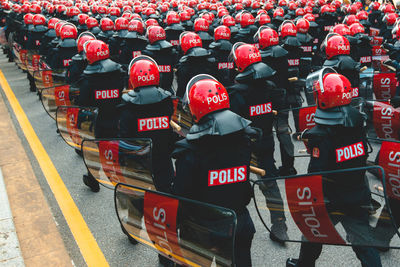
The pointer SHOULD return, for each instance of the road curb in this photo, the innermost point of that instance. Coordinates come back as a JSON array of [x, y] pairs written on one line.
[[10, 253]]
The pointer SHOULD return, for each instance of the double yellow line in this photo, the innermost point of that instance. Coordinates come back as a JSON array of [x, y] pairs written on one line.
[[87, 244]]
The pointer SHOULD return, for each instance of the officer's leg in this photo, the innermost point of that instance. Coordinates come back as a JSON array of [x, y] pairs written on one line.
[[356, 224], [271, 191], [244, 237], [384, 229], [32, 85], [309, 253], [285, 144]]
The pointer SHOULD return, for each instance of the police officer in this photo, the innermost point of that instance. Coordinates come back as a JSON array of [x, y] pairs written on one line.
[[163, 53], [66, 49], [338, 125], [254, 97], [216, 142], [220, 50], [101, 87], [275, 56], [247, 29], [78, 62], [195, 60], [148, 102]]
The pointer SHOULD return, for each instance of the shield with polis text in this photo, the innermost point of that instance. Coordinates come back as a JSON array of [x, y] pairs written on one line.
[[188, 232], [383, 120], [328, 207], [115, 161], [56, 96], [45, 77], [76, 124]]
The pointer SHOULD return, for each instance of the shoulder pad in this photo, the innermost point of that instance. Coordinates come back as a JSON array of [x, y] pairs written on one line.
[[102, 66], [175, 27], [197, 52], [304, 38], [78, 57], [255, 71], [146, 95], [181, 147], [292, 41], [68, 43], [50, 33], [204, 36]]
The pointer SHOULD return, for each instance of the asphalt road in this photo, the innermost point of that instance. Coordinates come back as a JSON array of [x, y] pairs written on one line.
[[98, 208]]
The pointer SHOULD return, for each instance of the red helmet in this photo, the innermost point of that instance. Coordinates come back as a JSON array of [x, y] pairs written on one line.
[[155, 33], [143, 71], [96, 50], [114, 11], [91, 23], [245, 55], [309, 17], [287, 29], [341, 29], [136, 25], [82, 18], [189, 40], [83, 38], [263, 19], [337, 45], [389, 8], [375, 6], [302, 25], [222, 32], [68, 31], [184, 15], [266, 37], [173, 18], [390, 18], [61, 9], [58, 27], [39, 19], [121, 24], [36, 9], [106, 24], [336, 91], [300, 12], [52, 22], [353, 9], [350, 19], [204, 95], [201, 25], [246, 19], [356, 28], [25, 8], [73, 11], [228, 21], [151, 22], [85, 8], [28, 19], [362, 15]]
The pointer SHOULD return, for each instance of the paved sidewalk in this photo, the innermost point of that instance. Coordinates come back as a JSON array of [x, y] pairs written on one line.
[[10, 253], [39, 239]]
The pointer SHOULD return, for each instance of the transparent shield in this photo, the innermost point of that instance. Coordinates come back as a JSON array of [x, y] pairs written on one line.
[[46, 78], [365, 89], [115, 161], [324, 208], [314, 83], [54, 97], [188, 232], [182, 117], [383, 120], [75, 124]]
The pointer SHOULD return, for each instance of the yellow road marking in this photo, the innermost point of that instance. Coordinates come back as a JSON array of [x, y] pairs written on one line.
[[87, 244]]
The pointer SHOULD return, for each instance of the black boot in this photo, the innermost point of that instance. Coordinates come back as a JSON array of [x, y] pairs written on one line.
[[91, 182], [290, 262]]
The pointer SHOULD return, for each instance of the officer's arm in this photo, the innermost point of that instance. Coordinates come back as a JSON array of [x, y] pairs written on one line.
[[319, 150], [183, 184]]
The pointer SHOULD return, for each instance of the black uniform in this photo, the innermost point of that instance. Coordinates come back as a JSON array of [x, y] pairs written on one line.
[[196, 61], [245, 35], [254, 98], [208, 147], [173, 32], [276, 58], [221, 50], [62, 54], [346, 66], [345, 192], [101, 87], [149, 103], [166, 57]]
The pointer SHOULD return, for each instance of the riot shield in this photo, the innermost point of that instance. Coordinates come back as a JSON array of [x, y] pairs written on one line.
[[314, 83], [3, 39], [20, 56], [327, 208], [181, 117], [365, 89], [189, 232], [46, 77], [32, 60], [54, 97], [383, 120], [115, 161], [75, 124], [384, 85]]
